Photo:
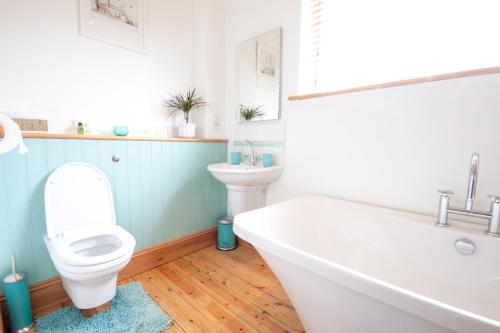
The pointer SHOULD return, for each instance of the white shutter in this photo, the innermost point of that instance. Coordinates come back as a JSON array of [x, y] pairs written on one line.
[[312, 20], [354, 43]]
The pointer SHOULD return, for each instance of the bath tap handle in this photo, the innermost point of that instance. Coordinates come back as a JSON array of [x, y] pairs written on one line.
[[494, 225], [494, 198], [445, 193], [444, 203]]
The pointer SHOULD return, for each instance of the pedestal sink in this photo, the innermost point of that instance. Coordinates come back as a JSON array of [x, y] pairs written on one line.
[[247, 185]]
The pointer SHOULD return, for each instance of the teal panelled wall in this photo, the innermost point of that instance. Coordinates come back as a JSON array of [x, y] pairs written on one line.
[[162, 191]]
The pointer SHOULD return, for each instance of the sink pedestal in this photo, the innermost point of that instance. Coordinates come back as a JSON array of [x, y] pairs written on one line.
[[245, 198], [246, 184]]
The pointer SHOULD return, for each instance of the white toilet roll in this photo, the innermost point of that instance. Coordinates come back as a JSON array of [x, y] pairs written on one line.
[[12, 136]]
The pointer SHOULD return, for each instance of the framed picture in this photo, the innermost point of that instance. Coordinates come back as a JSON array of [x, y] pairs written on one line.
[[268, 67], [117, 22]]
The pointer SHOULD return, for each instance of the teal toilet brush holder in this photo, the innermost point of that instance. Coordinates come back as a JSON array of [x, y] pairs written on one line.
[[18, 299]]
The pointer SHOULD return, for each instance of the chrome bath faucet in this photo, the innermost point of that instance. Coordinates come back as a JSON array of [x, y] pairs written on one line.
[[493, 215], [472, 185]]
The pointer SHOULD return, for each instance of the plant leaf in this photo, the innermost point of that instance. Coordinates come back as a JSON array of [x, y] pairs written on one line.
[[249, 112], [183, 102]]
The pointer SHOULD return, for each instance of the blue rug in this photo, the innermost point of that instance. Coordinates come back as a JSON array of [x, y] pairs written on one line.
[[132, 311]]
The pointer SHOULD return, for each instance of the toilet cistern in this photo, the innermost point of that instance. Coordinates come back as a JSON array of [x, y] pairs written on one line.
[[493, 215]]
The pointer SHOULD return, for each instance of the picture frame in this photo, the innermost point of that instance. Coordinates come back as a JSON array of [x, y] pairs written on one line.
[[117, 22], [268, 67]]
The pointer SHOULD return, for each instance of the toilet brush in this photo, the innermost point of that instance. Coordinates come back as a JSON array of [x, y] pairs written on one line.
[[18, 299]]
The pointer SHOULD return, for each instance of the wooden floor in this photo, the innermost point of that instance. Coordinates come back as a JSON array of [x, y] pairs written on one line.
[[215, 291]]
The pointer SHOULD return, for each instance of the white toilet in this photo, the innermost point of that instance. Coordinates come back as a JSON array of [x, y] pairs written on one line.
[[86, 246]]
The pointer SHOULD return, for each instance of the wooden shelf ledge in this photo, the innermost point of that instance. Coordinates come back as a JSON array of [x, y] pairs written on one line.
[[42, 135]]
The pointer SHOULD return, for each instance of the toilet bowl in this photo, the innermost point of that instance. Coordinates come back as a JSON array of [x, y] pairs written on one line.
[[86, 246]]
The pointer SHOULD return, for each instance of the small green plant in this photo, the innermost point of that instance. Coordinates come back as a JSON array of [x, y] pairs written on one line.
[[183, 102], [249, 112]]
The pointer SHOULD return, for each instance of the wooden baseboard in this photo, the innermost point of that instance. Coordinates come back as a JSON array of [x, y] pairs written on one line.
[[50, 293], [160, 254]]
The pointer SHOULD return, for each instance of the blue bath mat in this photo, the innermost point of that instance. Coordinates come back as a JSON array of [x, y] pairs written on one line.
[[132, 311]]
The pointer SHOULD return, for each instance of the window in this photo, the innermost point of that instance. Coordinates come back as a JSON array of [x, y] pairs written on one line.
[[353, 43]]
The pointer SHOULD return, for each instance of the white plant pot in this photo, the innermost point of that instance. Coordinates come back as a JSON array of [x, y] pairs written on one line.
[[187, 130]]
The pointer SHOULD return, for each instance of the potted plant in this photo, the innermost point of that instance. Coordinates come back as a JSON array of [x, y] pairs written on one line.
[[185, 103], [249, 112]]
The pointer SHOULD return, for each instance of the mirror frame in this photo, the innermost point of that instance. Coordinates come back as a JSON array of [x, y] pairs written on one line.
[[280, 85]]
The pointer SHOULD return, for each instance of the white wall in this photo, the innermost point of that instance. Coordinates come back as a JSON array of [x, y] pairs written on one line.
[[49, 71], [392, 147], [208, 45]]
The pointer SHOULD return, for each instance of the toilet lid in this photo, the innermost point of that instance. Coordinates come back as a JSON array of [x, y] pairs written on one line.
[[77, 196]]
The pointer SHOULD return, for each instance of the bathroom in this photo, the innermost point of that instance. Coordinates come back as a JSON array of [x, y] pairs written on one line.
[[300, 194]]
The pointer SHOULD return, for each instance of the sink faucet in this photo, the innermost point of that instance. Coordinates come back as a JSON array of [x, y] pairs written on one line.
[[250, 157], [493, 215]]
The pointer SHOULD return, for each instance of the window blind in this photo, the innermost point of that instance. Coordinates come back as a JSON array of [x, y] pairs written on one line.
[[352, 43]]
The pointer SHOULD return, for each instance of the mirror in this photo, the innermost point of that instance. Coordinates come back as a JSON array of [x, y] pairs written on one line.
[[258, 74]]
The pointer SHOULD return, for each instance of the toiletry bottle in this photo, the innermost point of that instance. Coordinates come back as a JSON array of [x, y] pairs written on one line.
[[80, 129]]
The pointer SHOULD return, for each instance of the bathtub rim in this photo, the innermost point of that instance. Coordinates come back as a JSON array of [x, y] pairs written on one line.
[[435, 311]]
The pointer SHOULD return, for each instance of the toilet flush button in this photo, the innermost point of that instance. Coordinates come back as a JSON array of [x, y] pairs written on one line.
[[465, 246], [115, 158]]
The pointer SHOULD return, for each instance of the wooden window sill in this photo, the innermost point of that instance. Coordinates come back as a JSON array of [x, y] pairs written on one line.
[[440, 77]]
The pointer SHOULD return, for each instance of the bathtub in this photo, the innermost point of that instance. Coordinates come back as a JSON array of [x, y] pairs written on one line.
[[355, 268]]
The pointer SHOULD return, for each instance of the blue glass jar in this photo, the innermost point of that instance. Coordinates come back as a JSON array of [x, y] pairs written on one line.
[[226, 239], [120, 130]]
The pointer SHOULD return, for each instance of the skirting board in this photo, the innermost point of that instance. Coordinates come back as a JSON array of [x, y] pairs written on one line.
[[50, 293]]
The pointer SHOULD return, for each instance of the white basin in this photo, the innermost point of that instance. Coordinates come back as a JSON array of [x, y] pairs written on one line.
[[244, 175], [246, 184]]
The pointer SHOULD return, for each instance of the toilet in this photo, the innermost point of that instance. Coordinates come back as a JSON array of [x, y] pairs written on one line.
[[86, 246]]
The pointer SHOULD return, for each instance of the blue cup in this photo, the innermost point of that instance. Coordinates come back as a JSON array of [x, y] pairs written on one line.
[[235, 157], [267, 160]]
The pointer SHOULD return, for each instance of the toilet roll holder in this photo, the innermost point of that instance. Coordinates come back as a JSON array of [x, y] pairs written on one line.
[[10, 136]]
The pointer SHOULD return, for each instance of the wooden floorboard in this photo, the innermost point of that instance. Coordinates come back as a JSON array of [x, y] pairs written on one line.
[[238, 306], [245, 268], [214, 291], [278, 308]]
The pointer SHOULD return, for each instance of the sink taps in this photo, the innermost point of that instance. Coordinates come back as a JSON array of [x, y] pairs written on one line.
[[493, 215], [472, 185], [250, 157]]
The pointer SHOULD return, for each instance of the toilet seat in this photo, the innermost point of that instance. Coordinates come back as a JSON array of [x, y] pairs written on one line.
[[74, 248], [86, 245]]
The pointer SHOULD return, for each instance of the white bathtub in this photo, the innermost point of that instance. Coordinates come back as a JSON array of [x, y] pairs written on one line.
[[355, 268]]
